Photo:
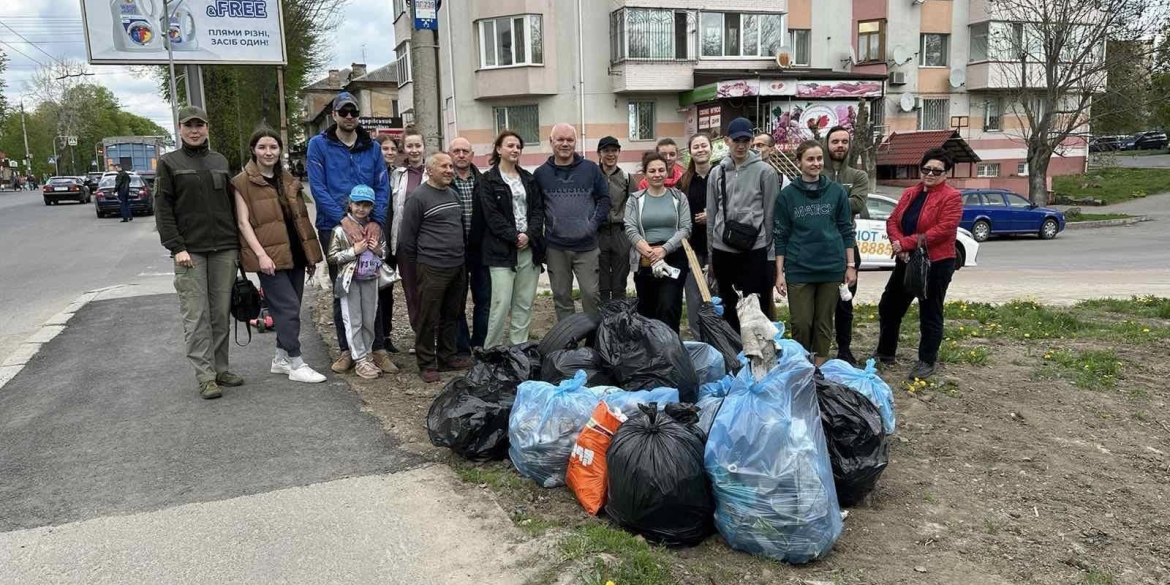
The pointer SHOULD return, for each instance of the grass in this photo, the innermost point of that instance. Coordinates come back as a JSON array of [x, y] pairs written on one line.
[[490, 475], [1113, 185], [1097, 217], [1091, 370], [1143, 306], [627, 560], [1098, 577]]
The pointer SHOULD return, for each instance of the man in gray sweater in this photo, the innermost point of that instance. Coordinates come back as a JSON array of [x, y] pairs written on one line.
[[432, 236]]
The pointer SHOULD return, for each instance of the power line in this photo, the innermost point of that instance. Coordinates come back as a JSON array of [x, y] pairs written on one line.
[[23, 53], [2, 23]]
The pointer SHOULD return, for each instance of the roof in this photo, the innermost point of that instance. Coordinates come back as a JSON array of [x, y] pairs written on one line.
[[323, 83], [384, 74], [907, 148]]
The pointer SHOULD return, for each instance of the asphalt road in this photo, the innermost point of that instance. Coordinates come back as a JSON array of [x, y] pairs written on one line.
[[1157, 161]]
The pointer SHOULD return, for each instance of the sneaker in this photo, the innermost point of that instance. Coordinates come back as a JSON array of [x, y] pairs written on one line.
[[410, 351], [381, 359], [228, 379], [885, 360], [390, 347], [280, 366], [343, 363], [429, 376], [922, 371], [305, 374], [367, 369], [459, 363], [847, 356], [209, 390]]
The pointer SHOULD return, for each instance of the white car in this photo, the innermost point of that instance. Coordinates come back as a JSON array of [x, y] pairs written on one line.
[[875, 244]]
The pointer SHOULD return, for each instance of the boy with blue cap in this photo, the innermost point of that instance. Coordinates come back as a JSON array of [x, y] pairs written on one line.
[[357, 258]]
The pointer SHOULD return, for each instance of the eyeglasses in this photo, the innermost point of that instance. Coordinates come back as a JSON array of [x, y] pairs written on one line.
[[347, 113], [935, 171]]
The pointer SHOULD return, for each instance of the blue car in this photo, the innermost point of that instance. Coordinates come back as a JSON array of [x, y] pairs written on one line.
[[993, 212]]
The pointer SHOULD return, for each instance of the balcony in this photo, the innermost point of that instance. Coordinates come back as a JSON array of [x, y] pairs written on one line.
[[1004, 75], [502, 82]]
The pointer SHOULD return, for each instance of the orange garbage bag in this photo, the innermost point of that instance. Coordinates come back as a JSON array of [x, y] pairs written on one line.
[[587, 475]]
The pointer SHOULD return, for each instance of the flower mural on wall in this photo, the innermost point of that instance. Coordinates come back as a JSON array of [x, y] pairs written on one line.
[[794, 122]]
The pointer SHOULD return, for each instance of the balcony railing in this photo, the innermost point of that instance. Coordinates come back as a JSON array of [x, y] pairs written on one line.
[[652, 34]]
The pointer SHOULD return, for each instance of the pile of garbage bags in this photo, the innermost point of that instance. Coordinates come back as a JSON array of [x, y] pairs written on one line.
[[858, 448], [544, 425], [642, 353], [563, 364]]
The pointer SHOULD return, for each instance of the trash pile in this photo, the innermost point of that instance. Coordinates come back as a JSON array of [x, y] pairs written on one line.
[[671, 441]]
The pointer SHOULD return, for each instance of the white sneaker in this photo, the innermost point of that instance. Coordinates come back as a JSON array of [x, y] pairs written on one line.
[[280, 366], [305, 374]]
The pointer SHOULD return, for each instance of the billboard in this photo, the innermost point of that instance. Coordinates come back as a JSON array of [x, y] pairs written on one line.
[[240, 32]]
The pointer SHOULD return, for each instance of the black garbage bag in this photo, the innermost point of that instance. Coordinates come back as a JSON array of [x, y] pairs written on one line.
[[472, 419], [858, 447], [657, 484], [532, 350], [505, 367], [715, 331], [563, 364], [643, 354]]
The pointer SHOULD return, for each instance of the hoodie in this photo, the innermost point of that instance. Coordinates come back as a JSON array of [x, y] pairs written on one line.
[[751, 197], [813, 227], [334, 170], [855, 181], [576, 203]]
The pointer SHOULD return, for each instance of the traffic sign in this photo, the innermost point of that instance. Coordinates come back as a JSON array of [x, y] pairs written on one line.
[[72, 141], [426, 14]]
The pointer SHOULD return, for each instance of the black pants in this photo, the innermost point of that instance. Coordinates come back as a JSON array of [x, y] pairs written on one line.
[[613, 261], [843, 318], [283, 291], [662, 298], [124, 201], [896, 300], [442, 296], [479, 281], [383, 317], [749, 272]]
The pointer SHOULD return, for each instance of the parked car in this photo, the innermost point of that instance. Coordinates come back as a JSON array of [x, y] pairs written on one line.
[[1151, 141], [61, 188], [141, 197], [993, 212], [1106, 143], [92, 180], [874, 243]]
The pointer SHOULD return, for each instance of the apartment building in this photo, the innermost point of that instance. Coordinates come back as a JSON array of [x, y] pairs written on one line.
[[376, 91]]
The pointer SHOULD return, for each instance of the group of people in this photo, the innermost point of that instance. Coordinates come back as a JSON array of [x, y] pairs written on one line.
[[442, 228]]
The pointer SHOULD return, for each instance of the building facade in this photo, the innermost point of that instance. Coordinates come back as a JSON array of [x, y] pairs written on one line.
[[376, 91]]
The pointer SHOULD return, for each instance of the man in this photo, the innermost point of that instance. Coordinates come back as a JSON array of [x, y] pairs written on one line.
[[613, 244], [763, 144], [856, 182], [195, 219], [122, 188], [342, 156], [478, 277], [432, 237], [667, 148], [741, 194], [576, 203]]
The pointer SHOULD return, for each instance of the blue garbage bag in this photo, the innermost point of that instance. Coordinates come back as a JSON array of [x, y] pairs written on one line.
[[544, 425], [711, 397], [769, 465], [868, 383], [628, 401], [708, 362]]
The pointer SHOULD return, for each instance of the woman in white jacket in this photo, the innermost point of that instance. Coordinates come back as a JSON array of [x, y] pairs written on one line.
[[658, 219]]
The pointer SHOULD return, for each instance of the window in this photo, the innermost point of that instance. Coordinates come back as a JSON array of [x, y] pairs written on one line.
[[987, 170], [741, 35], [511, 40], [402, 54], [993, 200], [972, 199], [399, 8], [799, 39], [523, 120], [992, 114], [642, 120], [935, 114], [935, 50], [1022, 169], [1018, 202], [871, 41], [879, 209], [653, 34], [394, 108], [979, 46]]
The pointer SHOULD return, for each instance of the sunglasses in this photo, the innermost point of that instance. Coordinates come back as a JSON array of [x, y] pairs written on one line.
[[933, 171], [347, 113]]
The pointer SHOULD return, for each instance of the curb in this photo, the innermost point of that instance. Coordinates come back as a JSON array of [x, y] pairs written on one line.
[[1084, 225]]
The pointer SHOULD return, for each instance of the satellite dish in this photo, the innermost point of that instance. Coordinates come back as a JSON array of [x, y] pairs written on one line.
[[907, 102], [958, 77], [900, 55], [784, 57]]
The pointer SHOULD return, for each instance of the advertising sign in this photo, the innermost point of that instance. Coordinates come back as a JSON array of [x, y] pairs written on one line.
[[240, 32], [838, 89]]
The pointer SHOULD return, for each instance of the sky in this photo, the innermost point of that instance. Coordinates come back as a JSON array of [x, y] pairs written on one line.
[[54, 29]]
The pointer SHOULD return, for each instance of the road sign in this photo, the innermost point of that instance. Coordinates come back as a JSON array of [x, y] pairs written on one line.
[[72, 141], [52, 160], [13, 164], [426, 14]]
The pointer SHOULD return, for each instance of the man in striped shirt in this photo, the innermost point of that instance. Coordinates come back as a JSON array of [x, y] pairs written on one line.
[[478, 278]]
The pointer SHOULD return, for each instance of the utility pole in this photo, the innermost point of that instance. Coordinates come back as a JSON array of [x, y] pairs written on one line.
[[165, 28], [24, 130], [424, 56], [283, 113]]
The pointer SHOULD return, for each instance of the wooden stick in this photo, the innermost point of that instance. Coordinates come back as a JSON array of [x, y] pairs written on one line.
[[697, 270]]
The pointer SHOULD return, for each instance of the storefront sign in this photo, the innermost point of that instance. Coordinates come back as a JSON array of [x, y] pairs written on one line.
[[738, 88], [703, 93], [770, 87], [838, 89], [710, 118]]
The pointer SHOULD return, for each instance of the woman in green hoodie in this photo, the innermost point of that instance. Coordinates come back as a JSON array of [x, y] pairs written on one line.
[[813, 235]]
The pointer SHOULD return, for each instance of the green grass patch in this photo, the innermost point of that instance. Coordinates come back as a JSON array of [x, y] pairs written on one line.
[[1098, 577], [1113, 185], [533, 525], [1092, 370], [634, 561], [1138, 306], [491, 475], [1097, 217], [951, 352]]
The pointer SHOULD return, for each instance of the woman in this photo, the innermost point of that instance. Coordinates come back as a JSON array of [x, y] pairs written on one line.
[[403, 181], [385, 319], [927, 215], [813, 234], [658, 219], [694, 184], [279, 243], [513, 251]]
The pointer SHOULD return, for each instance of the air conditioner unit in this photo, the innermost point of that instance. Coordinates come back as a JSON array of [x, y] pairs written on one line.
[[897, 78]]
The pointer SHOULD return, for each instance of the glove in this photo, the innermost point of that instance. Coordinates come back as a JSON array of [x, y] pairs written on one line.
[[717, 302]]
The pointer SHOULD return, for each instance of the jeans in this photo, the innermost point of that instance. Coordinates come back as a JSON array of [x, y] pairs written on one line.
[[563, 265], [613, 261], [750, 272], [513, 290], [205, 298], [443, 294], [843, 320], [284, 291], [124, 201], [662, 298], [896, 300], [480, 283]]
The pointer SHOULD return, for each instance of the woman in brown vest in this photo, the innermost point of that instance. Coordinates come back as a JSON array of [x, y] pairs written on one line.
[[279, 243]]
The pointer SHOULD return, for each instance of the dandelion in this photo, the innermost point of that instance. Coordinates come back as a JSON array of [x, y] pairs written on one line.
[[1048, 356], [960, 328], [1086, 366], [610, 583], [1027, 336], [1146, 330]]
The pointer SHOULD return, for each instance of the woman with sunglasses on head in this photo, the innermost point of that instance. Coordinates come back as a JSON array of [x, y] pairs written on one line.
[[927, 216]]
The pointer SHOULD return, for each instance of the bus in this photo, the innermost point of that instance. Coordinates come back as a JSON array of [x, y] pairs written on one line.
[[136, 154]]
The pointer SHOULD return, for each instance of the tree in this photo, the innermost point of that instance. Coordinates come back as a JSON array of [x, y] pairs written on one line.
[[1052, 53], [1160, 84], [1126, 105], [866, 139], [3, 87]]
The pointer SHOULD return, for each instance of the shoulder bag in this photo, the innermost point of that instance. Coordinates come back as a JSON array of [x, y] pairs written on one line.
[[738, 235]]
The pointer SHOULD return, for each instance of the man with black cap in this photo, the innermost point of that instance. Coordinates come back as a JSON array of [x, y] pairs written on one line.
[[342, 156], [195, 221], [614, 260]]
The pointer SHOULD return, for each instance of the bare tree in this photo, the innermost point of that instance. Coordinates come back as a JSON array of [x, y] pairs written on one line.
[[1052, 54], [866, 138]]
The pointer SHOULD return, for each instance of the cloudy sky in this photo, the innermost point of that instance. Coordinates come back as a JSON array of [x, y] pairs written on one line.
[[52, 30]]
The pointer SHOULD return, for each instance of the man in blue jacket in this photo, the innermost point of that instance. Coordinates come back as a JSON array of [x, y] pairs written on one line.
[[342, 156], [576, 203]]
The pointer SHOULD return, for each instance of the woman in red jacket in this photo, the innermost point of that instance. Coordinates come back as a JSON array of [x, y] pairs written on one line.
[[927, 214]]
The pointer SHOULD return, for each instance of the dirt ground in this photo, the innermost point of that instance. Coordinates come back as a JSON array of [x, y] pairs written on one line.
[[1041, 454]]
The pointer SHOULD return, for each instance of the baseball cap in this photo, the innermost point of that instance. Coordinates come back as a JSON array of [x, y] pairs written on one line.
[[188, 113], [740, 128], [607, 142], [344, 99], [361, 193]]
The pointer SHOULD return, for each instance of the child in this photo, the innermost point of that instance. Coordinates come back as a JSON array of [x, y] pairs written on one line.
[[358, 260]]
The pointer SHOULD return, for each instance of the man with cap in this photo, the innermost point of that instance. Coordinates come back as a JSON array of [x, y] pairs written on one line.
[[741, 194], [194, 217], [340, 157], [614, 260]]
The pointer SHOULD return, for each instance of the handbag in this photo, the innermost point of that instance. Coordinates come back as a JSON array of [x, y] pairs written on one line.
[[387, 276], [918, 269], [738, 235], [245, 304]]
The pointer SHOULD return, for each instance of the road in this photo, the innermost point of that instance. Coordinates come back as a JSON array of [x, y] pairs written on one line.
[[1156, 161]]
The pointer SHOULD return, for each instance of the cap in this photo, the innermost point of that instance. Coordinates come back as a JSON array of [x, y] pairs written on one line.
[[740, 128], [607, 142], [344, 99], [361, 193], [188, 113]]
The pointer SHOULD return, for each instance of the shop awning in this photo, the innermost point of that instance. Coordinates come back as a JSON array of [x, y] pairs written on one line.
[[907, 148]]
